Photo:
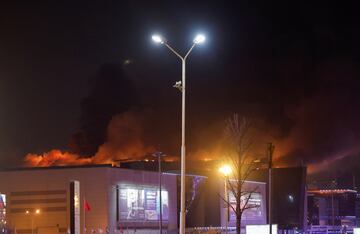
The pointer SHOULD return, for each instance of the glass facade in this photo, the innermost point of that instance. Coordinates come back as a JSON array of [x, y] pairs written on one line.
[[141, 204], [252, 214]]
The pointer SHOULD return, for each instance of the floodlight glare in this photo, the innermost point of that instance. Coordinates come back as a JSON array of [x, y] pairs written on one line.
[[157, 39], [225, 170], [199, 39]]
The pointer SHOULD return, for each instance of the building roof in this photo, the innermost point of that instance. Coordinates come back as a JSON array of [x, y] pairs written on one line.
[[56, 167], [326, 192], [90, 166]]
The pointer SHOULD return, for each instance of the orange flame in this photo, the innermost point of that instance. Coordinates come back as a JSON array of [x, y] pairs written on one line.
[[55, 158], [124, 142]]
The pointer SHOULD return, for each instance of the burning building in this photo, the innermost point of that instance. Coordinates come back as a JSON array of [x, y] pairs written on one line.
[[110, 198], [38, 199]]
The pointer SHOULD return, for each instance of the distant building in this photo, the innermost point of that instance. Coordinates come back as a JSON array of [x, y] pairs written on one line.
[[336, 207]]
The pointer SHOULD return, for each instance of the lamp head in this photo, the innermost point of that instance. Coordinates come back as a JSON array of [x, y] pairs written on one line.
[[158, 39], [200, 38], [225, 170]]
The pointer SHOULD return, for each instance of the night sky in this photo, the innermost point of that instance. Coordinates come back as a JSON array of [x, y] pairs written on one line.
[[84, 77]]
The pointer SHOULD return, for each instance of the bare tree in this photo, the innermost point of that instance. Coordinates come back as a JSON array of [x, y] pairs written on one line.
[[238, 141]]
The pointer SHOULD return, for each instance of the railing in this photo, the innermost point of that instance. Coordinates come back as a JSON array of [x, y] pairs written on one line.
[[211, 230], [329, 230]]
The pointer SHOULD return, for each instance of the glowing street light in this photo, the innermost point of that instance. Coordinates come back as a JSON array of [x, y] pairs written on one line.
[[181, 86], [158, 39], [27, 212], [200, 38], [226, 171]]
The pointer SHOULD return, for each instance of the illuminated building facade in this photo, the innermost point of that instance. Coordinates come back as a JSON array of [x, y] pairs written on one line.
[[38, 199], [255, 215]]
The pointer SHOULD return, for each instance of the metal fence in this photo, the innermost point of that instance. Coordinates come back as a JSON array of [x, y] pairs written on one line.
[[330, 230]]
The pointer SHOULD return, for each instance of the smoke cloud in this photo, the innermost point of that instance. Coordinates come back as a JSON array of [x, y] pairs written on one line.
[[124, 142], [312, 122], [326, 127], [111, 93]]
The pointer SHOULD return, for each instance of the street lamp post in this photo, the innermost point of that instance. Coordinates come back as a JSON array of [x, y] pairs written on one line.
[[159, 155], [181, 86], [226, 171], [333, 185], [37, 211], [271, 148]]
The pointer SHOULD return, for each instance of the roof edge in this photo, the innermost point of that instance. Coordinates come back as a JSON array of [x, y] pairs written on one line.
[[56, 167]]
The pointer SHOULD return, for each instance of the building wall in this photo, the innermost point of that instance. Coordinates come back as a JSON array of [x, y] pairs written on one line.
[[47, 189], [288, 197]]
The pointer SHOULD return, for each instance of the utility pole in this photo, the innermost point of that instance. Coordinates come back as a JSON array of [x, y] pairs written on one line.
[[354, 182], [332, 202], [159, 155], [270, 150]]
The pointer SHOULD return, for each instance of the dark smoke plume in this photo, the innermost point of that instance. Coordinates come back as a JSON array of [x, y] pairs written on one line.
[[112, 93]]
